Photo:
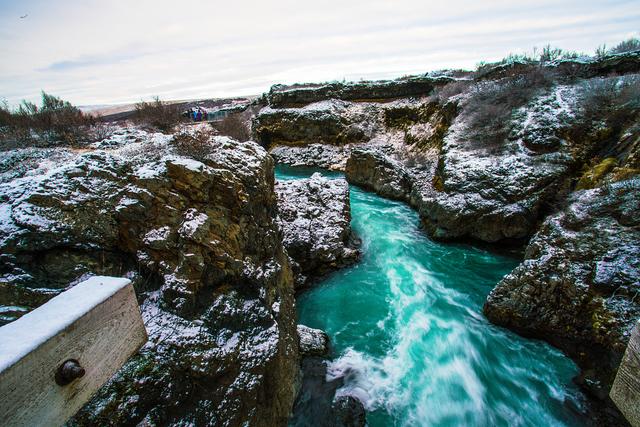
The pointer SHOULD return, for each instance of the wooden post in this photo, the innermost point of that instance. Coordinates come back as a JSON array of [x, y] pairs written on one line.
[[626, 388], [96, 323]]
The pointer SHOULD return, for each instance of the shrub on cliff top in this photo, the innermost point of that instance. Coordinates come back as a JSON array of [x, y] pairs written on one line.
[[158, 114], [629, 45], [609, 108], [197, 145], [233, 126], [491, 104]]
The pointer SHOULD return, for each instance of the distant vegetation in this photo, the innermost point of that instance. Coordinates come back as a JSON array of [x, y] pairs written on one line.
[[549, 53], [158, 114], [55, 121], [629, 45], [197, 145]]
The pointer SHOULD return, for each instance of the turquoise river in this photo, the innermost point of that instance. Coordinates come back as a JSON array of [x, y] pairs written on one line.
[[408, 333]]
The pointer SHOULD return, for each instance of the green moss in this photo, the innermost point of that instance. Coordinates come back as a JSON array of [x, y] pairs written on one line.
[[594, 176], [623, 173], [438, 183]]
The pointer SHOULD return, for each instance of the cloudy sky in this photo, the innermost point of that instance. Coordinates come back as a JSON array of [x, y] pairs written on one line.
[[100, 51]]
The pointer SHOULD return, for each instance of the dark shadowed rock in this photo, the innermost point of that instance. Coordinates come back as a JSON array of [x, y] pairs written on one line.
[[349, 412], [315, 216], [317, 404], [374, 170]]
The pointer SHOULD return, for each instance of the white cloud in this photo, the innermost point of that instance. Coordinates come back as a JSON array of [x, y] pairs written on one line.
[[106, 52]]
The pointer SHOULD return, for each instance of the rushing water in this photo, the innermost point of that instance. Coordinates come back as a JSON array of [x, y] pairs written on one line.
[[408, 332]]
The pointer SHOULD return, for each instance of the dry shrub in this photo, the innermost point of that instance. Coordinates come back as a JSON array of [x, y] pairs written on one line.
[[629, 45], [491, 104], [608, 106], [234, 126], [158, 114], [54, 122], [197, 145]]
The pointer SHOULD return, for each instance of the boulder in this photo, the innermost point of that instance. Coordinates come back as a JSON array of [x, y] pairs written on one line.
[[349, 412], [200, 240], [315, 217], [313, 342], [373, 170]]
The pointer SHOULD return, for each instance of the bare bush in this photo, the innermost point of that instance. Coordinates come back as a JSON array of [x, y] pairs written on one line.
[[158, 114], [491, 103], [197, 145], [443, 93], [234, 126], [5, 114], [55, 121], [629, 45], [608, 106]]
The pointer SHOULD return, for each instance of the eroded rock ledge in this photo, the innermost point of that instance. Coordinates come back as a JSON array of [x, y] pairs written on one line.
[[375, 171], [315, 216]]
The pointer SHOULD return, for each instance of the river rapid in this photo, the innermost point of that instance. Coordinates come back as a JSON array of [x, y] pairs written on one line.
[[409, 338]]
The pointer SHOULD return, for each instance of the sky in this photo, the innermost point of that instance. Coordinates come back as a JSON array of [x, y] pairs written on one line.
[[107, 52]]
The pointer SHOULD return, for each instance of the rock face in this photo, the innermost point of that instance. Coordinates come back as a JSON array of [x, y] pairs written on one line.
[[578, 285], [374, 170], [492, 193], [201, 242], [330, 122], [281, 96], [315, 155], [315, 217]]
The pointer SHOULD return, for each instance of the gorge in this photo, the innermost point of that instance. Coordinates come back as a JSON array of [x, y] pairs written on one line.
[[467, 240]]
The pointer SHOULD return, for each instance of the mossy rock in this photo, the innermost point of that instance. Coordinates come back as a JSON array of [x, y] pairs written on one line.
[[595, 175]]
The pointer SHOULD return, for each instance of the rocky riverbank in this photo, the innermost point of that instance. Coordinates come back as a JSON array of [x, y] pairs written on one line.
[[215, 248], [503, 156]]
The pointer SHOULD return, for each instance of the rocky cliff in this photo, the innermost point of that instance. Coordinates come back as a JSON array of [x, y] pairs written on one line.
[[579, 283], [201, 242]]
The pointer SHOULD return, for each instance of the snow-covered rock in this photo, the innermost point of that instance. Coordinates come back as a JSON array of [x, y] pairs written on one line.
[[329, 122], [313, 342], [200, 241], [315, 216]]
